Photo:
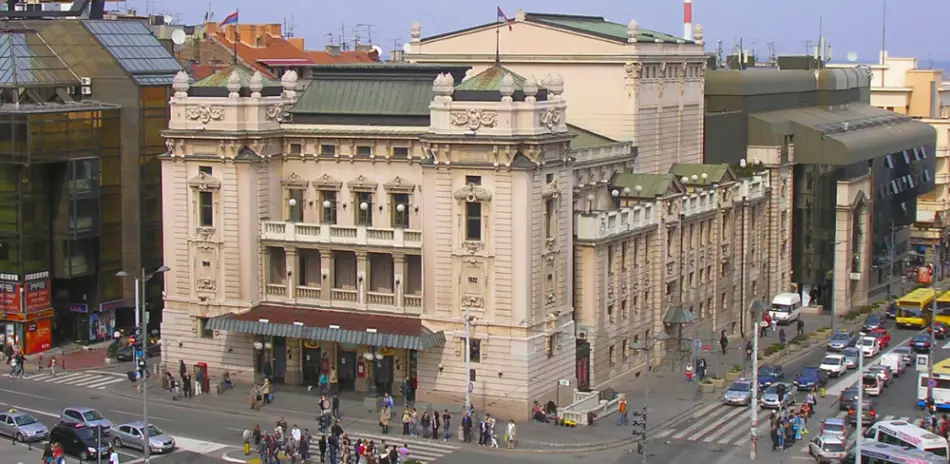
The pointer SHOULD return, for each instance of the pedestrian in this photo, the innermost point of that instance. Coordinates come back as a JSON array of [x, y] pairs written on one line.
[[181, 368], [385, 415], [748, 350], [345, 449], [48, 453], [510, 433], [801, 326], [405, 422], [467, 427], [689, 374], [776, 440], [336, 406], [436, 422], [622, 412], [446, 425], [186, 383], [482, 432], [322, 444], [701, 369], [52, 366], [491, 431], [113, 456], [781, 336], [723, 341], [413, 422], [426, 424]]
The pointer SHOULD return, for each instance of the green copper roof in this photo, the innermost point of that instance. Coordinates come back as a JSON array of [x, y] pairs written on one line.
[[651, 185], [597, 25], [715, 173], [489, 80], [220, 78], [584, 138], [379, 97]]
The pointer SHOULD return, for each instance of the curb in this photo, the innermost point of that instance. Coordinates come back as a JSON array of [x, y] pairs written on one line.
[[227, 458]]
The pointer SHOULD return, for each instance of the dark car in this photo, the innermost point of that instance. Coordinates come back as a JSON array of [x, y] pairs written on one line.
[[940, 330], [847, 398], [125, 353], [811, 377], [78, 440], [891, 311], [770, 374], [874, 321], [920, 343], [868, 413]]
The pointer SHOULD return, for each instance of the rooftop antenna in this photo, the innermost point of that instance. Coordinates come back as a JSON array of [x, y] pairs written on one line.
[[884, 38], [342, 37], [330, 38], [369, 31], [719, 61]]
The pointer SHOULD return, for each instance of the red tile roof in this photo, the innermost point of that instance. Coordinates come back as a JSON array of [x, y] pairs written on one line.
[[323, 318], [349, 56], [275, 48]]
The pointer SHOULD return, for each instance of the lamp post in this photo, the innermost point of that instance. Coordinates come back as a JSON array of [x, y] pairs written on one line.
[[757, 307], [859, 408], [143, 333], [648, 348], [890, 271]]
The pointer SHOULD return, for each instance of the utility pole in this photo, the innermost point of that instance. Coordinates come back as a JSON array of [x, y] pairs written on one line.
[[859, 410], [468, 359], [754, 406]]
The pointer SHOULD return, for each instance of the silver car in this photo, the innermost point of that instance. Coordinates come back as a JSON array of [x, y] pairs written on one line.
[[907, 354], [850, 357], [841, 340], [87, 416], [22, 426], [132, 435], [827, 448], [770, 397], [739, 393]]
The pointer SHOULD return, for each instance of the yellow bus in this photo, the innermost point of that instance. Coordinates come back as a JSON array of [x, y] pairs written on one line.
[[914, 308], [943, 308]]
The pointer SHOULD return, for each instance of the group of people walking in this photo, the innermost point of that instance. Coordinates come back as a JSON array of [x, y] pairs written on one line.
[[788, 426]]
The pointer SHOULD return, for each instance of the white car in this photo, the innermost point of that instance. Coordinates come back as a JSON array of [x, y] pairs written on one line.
[[869, 346], [834, 365]]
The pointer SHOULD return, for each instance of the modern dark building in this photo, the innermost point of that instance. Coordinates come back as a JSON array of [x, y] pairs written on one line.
[[857, 171], [82, 107]]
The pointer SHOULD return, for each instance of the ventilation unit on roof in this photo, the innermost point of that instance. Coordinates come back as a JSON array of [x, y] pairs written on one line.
[[87, 90], [85, 81]]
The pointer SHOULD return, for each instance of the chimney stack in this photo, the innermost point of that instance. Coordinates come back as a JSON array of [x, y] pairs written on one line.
[[688, 19]]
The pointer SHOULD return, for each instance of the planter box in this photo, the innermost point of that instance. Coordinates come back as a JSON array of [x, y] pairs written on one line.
[[111, 361], [718, 383], [730, 376], [793, 348], [706, 388]]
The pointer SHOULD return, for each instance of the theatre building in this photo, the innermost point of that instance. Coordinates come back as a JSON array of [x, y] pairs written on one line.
[[351, 227]]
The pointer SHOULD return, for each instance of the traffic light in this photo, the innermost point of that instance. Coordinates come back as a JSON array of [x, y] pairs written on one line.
[[639, 423], [142, 368]]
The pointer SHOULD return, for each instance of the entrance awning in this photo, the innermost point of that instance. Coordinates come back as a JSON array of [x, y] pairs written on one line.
[[679, 316], [331, 326]]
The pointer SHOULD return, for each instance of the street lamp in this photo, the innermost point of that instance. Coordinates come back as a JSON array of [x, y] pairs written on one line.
[[141, 321], [648, 348], [757, 307]]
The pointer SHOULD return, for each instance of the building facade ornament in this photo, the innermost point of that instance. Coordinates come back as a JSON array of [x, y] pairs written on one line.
[[551, 189], [469, 301], [204, 234], [362, 184], [294, 181], [530, 89], [633, 31], [662, 69], [204, 181], [632, 72], [277, 112], [473, 194], [507, 88], [399, 185], [181, 84], [472, 246], [415, 32], [234, 85], [550, 244], [550, 118], [474, 119], [256, 84], [206, 285], [205, 113]]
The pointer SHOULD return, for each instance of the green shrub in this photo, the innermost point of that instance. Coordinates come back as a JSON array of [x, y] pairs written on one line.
[[799, 339], [824, 329], [113, 349], [735, 368]]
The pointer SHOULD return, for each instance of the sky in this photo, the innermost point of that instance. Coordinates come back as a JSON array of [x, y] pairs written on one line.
[[848, 25]]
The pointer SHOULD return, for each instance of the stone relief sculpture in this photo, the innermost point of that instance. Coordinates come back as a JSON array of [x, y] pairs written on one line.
[[550, 189], [473, 194], [550, 118], [327, 182], [204, 181], [277, 112], [205, 113], [469, 301], [362, 183], [632, 73], [474, 119], [398, 184], [472, 247]]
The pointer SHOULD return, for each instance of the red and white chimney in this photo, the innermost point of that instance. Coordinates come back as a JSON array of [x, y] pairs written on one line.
[[688, 19]]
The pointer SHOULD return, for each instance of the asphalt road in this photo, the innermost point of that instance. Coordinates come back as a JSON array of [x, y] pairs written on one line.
[[714, 429]]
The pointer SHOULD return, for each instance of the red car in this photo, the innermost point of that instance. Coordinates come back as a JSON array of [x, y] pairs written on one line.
[[882, 335]]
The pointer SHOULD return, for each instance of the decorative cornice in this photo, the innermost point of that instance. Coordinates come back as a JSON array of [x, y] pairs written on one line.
[[362, 184], [327, 182], [294, 181], [204, 181], [399, 185], [473, 194]]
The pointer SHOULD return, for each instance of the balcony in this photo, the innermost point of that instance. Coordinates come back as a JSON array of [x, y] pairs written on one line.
[[379, 298], [412, 301], [276, 290], [309, 293], [604, 224], [752, 189], [295, 232], [340, 294]]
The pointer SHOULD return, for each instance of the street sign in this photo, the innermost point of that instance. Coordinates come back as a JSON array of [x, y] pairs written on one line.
[[922, 361], [139, 354], [698, 344], [564, 383], [932, 383], [471, 387]]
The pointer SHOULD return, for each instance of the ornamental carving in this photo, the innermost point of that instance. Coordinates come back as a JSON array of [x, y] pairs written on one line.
[[550, 118], [610, 289], [669, 269], [204, 181], [294, 181], [474, 119], [550, 190], [362, 184], [472, 302], [327, 182], [552, 297], [663, 69], [399, 185], [473, 194], [204, 233], [207, 285], [633, 72], [550, 244], [277, 112], [205, 113], [472, 246]]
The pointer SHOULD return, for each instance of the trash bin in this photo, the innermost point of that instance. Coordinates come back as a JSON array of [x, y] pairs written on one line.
[[202, 367]]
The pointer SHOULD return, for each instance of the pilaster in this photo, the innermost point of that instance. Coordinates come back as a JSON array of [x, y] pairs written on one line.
[[326, 273], [399, 274], [361, 260], [291, 261]]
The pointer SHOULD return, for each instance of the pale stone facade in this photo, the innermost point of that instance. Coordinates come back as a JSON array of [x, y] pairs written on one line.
[[428, 223], [649, 85]]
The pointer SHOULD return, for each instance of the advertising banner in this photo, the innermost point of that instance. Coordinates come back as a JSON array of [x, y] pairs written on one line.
[[101, 326], [37, 295], [10, 297], [38, 335]]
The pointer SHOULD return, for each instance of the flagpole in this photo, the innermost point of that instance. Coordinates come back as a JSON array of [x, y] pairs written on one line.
[[497, 39], [237, 23]]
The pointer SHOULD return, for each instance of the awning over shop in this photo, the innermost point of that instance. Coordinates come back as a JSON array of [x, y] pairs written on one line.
[[841, 135], [331, 326], [679, 316]]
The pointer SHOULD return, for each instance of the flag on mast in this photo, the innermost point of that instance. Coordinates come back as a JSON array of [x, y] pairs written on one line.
[[231, 19], [503, 17]]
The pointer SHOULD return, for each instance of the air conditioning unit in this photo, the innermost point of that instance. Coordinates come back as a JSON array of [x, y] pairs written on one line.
[[85, 81], [87, 90], [70, 90]]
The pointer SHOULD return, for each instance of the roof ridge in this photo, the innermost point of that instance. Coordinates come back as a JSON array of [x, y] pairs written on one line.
[[565, 16]]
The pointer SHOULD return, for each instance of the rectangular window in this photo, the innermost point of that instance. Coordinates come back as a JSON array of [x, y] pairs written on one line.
[[364, 150], [610, 313], [473, 180], [910, 180], [916, 154], [203, 328], [626, 349], [295, 205], [906, 157], [364, 209], [208, 170], [328, 206], [927, 175], [623, 309], [327, 150], [401, 152], [623, 256], [399, 204], [550, 218], [473, 221], [611, 355], [296, 149], [894, 186], [610, 259], [923, 152], [475, 350], [206, 209]]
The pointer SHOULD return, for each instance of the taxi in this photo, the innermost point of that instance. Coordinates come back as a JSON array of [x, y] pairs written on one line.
[[882, 335]]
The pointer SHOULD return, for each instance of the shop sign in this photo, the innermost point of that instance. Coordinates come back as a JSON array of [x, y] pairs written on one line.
[[9, 296], [111, 305], [12, 316], [45, 314], [37, 291], [79, 308]]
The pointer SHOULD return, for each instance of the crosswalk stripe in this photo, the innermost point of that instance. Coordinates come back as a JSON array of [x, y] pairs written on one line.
[[87, 382], [423, 450], [696, 426], [102, 384], [36, 377], [737, 438], [719, 423], [63, 378], [78, 379], [722, 430]]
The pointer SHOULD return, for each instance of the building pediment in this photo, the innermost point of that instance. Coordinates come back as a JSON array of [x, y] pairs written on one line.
[[362, 184], [294, 181], [327, 182], [204, 181], [473, 194], [399, 185]]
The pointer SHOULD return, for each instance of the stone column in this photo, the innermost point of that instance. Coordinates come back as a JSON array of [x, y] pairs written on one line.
[[399, 277], [291, 275], [326, 273], [362, 277]]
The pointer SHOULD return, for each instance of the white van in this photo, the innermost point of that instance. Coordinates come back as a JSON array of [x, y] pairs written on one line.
[[894, 362], [907, 435], [786, 307]]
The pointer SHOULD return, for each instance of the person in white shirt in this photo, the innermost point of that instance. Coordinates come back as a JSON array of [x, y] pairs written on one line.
[[295, 434], [113, 456]]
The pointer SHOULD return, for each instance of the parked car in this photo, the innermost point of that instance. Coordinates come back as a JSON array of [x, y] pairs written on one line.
[[22, 426], [125, 353], [827, 449], [740, 392], [770, 374], [79, 440], [779, 395], [86, 416], [921, 343], [882, 335], [834, 365], [132, 435], [811, 377], [874, 321], [841, 340], [850, 357], [907, 354]]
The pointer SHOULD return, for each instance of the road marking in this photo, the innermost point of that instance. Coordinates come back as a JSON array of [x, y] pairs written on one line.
[[853, 377], [723, 430], [34, 411], [698, 424], [102, 385], [946, 346], [720, 422], [235, 430], [63, 377], [30, 395], [197, 446]]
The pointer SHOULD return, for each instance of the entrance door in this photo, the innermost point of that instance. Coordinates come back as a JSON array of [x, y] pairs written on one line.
[[346, 370], [383, 375], [311, 366], [280, 359]]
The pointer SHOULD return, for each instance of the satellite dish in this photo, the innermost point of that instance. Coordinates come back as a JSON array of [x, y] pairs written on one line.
[[853, 57], [178, 37], [378, 50], [405, 47], [168, 19]]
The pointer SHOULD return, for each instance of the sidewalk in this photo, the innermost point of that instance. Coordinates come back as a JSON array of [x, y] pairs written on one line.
[[76, 357], [20, 453]]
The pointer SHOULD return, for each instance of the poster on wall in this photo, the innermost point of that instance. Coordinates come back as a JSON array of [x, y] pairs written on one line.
[[38, 335], [37, 292], [101, 326], [9, 297]]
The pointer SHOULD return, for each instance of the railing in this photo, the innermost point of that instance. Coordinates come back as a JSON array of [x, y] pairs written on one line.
[[311, 293], [753, 188], [603, 224], [412, 301], [586, 403], [343, 295], [617, 150], [340, 235], [380, 298], [277, 289], [699, 203]]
